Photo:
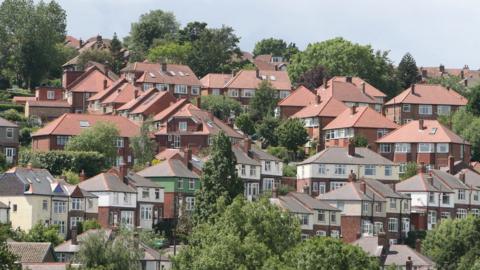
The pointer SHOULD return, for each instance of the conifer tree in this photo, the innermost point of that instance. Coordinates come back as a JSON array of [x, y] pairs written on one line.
[[407, 71]]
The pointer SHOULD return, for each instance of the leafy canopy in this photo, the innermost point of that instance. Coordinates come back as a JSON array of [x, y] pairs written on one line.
[[222, 107], [142, 145], [292, 134], [245, 124], [264, 101], [170, 52]]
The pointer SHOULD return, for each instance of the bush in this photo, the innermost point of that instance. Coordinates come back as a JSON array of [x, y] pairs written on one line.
[[8, 106], [88, 224], [58, 161], [13, 115], [279, 152], [71, 177], [413, 236], [289, 170]]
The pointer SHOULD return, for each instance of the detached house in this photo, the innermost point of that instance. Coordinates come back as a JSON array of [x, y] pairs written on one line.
[[296, 101], [214, 83], [9, 140], [269, 62], [55, 135], [423, 101]]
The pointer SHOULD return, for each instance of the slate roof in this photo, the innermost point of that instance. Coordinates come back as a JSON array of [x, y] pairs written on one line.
[[382, 189], [5, 123], [152, 73], [40, 181], [330, 107], [429, 94], [449, 180], [106, 182], [140, 181], [339, 155], [363, 117], [30, 252], [292, 205], [312, 203], [168, 168], [262, 155], [242, 157], [420, 183], [349, 192], [472, 178], [67, 247]]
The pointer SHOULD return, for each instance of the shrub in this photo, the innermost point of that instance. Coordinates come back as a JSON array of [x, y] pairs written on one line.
[[289, 170], [8, 106], [71, 177], [279, 151]]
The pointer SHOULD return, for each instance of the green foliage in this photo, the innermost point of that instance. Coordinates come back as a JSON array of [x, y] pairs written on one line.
[[100, 56], [280, 152], [454, 82], [59, 161], [413, 236], [312, 78], [191, 32], [100, 138], [275, 47], [63, 54], [407, 71], [143, 146], [473, 105], [71, 177], [245, 124], [454, 244], [284, 189], [25, 135], [289, 170], [410, 170], [13, 115], [342, 57], [245, 236], [42, 233], [16, 107], [292, 134], [222, 107], [151, 238], [360, 141], [117, 54], [170, 52], [266, 130], [219, 179], [467, 125], [7, 258], [264, 102], [89, 224]]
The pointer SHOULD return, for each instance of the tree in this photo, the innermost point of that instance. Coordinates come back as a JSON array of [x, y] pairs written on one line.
[[264, 102], [454, 82], [117, 54], [7, 258], [473, 105], [342, 57], [246, 235], [89, 224], [219, 179], [41, 233], [467, 125], [266, 129], [312, 78], [360, 141], [273, 46], [222, 107], [292, 134], [142, 145], [170, 52], [100, 56], [245, 124], [410, 170], [191, 32], [155, 25], [29, 34], [100, 138], [407, 71]]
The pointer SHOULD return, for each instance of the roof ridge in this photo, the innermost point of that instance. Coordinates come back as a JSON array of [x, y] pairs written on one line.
[[365, 108], [85, 74]]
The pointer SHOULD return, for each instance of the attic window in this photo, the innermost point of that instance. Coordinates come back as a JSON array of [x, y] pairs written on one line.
[[84, 124], [433, 131], [209, 123], [181, 73]]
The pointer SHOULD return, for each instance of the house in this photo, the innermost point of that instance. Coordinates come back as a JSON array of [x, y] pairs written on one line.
[[468, 77], [112, 98], [179, 183], [243, 85], [9, 140], [271, 168], [352, 91], [270, 62], [317, 218], [4, 213], [426, 141], [43, 93], [46, 111], [296, 101], [32, 252], [192, 127], [161, 118], [55, 135], [249, 170], [34, 196], [362, 122], [214, 84], [94, 43], [179, 80], [333, 167], [398, 256], [423, 101], [117, 201]]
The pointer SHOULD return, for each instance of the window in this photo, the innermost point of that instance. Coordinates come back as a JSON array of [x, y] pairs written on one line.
[[406, 205], [242, 171], [393, 203], [367, 227], [251, 190], [253, 170], [475, 212], [9, 133], [340, 169], [432, 217], [462, 150], [388, 170], [268, 166], [369, 169], [126, 218], [392, 225], [321, 169], [378, 108], [333, 217], [406, 108], [268, 184], [233, 92], [119, 143], [45, 205], [378, 207], [381, 132], [284, 94], [461, 213], [321, 233], [146, 212], [61, 225], [145, 193], [315, 186], [444, 215], [475, 195], [425, 148], [425, 109], [210, 140], [50, 94], [321, 188], [191, 184], [339, 133], [442, 147], [182, 126], [304, 219], [248, 93], [162, 86], [176, 141], [180, 89], [377, 227], [334, 234], [76, 204], [15, 208], [215, 92], [341, 205], [180, 184], [402, 148], [443, 109], [75, 222], [445, 198], [147, 86], [126, 198], [385, 148], [157, 193], [59, 207], [195, 90], [461, 194], [62, 140], [321, 215], [365, 206], [431, 197]]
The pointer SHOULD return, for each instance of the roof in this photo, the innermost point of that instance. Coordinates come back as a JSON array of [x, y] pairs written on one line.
[[247, 79], [22, 99], [420, 183], [106, 182], [346, 92], [111, 89], [124, 94], [152, 73], [150, 101], [339, 155], [30, 252], [133, 103], [67, 246], [5, 123], [262, 155], [46, 266], [472, 178], [429, 94], [433, 132], [92, 80], [215, 80], [330, 107], [311, 202], [39, 181], [168, 154], [3, 206], [301, 97], [382, 189], [357, 81], [363, 117], [168, 168], [48, 103], [140, 181], [242, 157], [449, 180], [163, 115], [349, 192], [292, 205], [70, 124]]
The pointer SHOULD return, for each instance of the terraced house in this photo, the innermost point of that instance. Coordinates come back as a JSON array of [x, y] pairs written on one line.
[[9, 140]]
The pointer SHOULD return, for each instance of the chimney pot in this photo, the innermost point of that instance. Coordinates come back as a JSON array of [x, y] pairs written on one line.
[[363, 87], [164, 66], [317, 99], [348, 79], [105, 84], [351, 148], [82, 176], [187, 157]]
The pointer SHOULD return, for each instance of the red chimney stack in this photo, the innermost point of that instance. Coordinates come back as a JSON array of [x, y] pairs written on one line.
[[187, 157], [123, 173], [105, 84], [247, 144], [421, 126], [351, 149], [451, 165], [412, 88], [363, 187]]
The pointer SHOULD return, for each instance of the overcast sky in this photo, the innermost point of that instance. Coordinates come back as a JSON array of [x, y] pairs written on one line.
[[433, 31]]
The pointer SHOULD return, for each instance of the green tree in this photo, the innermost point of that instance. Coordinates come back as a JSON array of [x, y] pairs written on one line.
[[222, 107], [41, 233], [89, 224], [289, 170], [360, 141], [152, 26], [101, 56], [467, 125], [292, 134], [191, 32], [264, 102], [219, 179], [142, 145], [170, 52], [454, 82], [117, 54], [71, 177], [312, 78], [245, 124], [7, 258], [411, 169], [407, 71], [473, 105], [244, 236], [273, 46], [29, 34], [266, 129], [63, 54], [100, 138]]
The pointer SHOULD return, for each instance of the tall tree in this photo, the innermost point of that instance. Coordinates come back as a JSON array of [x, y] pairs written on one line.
[[219, 179], [273, 46], [312, 78], [292, 134], [221, 106], [170, 52], [191, 32], [473, 105], [264, 102], [117, 54], [245, 124], [407, 71], [155, 25], [142, 145], [266, 129], [467, 125]]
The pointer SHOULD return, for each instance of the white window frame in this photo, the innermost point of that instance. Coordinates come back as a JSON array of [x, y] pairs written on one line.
[[147, 86], [76, 204], [322, 169], [182, 126], [406, 107], [370, 170], [119, 142], [461, 213], [50, 94], [248, 93], [392, 225], [9, 133], [461, 194], [340, 169], [403, 147], [425, 109], [444, 109], [59, 207], [233, 92], [181, 89], [443, 148], [146, 212], [385, 148], [426, 148], [191, 184], [388, 170]]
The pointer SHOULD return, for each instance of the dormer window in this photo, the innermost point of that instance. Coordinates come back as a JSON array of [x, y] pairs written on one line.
[[182, 126]]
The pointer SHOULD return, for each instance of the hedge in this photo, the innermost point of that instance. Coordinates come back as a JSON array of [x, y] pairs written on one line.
[[8, 106], [58, 161]]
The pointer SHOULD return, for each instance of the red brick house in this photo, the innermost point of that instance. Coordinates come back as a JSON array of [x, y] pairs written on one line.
[[55, 135], [48, 103], [424, 141], [112, 98], [214, 83], [423, 101], [357, 122], [161, 118], [296, 101], [149, 103]]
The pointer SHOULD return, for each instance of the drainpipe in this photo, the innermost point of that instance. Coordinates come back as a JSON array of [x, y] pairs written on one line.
[[400, 221]]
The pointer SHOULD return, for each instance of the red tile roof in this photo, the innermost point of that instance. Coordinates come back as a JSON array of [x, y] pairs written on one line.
[[357, 81], [132, 104], [364, 117], [69, 124], [22, 100], [107, 92], [215, 80], [247, 79], [433, 132], [429, 94], [165, 96], [124, 94], [152, 73], [301, 97], [346, 92], [327, 108], [173, 108], [92, 80]]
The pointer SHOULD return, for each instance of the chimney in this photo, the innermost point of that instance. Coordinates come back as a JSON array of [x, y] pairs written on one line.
[[441, 68], [257, 73], [412, 88], [105, 84], [351, 148], [353, 109], [424, 73], [348, 79], [80, 43], [82, 176], [163, 66], [187, 156], [306, 189], [418, 245], [462, 74], [430, 179], [420, 124], [123, 173], [451, 164], [363, 187], [29, 166], [135, 93], [362, 85], [199, 102], [352, 177], [465, 82], [317, 99], [73, 233], [247, 144], [99, 38], [409, 264], [325, 84], [383, 241], [461, 176]]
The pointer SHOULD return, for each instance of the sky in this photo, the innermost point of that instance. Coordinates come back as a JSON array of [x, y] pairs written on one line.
[[434, 31]]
